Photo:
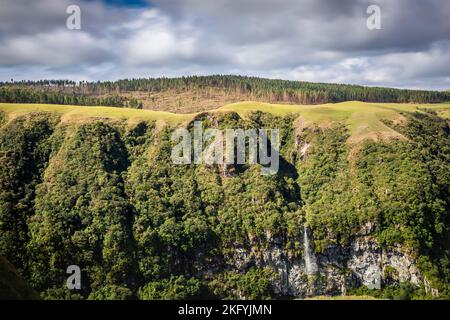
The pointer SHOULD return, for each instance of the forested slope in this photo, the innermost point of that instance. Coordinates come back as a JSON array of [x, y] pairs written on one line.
[[104, 194]]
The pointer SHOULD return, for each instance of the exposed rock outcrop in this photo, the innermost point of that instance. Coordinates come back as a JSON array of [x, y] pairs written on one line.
[[336, 270]]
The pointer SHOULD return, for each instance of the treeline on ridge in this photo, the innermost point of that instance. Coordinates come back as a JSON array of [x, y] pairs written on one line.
[[28, 95], [250, 88]]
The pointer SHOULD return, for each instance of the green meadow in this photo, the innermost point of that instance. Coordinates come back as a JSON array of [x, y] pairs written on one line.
[[81, 113], [364, 120]]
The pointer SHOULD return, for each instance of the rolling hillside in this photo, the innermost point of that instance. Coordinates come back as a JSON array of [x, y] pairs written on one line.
[[364, 120]]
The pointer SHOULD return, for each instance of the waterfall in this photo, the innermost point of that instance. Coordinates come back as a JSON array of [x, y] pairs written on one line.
[[310, 257]]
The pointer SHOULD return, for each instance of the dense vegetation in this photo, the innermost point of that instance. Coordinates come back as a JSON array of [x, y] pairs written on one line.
[[107, 197], [246, 88]]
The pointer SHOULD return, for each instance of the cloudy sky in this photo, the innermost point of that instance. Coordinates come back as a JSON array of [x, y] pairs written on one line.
[[311, 40]]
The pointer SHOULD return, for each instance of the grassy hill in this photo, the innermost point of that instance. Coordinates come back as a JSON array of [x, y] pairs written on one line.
[[364, 120], [82, 113]]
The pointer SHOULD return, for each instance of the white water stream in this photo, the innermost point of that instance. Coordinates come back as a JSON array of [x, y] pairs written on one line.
[[310, 257]]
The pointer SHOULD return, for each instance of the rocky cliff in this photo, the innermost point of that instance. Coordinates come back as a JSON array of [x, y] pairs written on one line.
[[339, 268]]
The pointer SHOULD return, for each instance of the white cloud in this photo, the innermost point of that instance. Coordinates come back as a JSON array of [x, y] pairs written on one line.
[[312, 40], [154, 39], [56, 48]]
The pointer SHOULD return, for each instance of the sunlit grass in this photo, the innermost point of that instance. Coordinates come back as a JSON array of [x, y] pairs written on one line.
[[364, 120], [81, 113]]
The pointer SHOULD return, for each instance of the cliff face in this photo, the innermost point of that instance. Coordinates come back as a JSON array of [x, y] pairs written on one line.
[[106, 196], [339, 268]]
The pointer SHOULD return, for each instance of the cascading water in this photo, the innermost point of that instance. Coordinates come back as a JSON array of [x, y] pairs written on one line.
[[310, 257]]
